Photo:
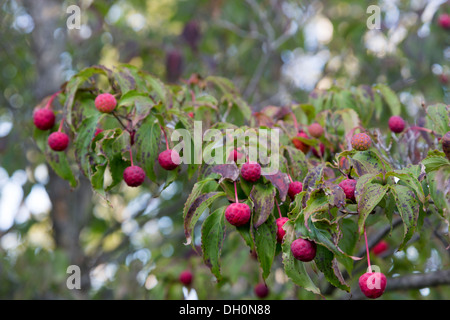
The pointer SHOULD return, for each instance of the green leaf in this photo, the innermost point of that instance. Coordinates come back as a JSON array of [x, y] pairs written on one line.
[[265, 240], [408, 208], [435, 161], [298, 166], [147, 139], [83, 139], [125, 80], [213, 234], [262, 196], [313, 177], [317, 202], [438, 118], [198, 206], [407, 178], [391, 99], [326, 262], [117, 166], [369, 162], [295, 269]]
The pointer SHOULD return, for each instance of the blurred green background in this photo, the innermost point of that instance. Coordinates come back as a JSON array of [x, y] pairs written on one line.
[[275, 51]]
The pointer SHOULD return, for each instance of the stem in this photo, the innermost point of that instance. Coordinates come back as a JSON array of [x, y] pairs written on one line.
[[290, 178], [278, 207], [192, 96], [60, 125], [120, 121], [295, 121], [367, 250], [165, 137], [235, 192], [50, 101], [131, 157]]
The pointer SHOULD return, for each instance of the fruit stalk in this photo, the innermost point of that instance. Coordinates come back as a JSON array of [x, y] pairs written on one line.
[[367, 250]]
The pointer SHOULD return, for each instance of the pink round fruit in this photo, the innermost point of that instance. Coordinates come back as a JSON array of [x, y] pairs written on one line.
[[361, 142], [186, 277], [380, 247], [320, 153], [235, 155], [396, 124], [303, 250], [169, 159], [134, 176], [58, 141], [238, 214], [444, 21], [295, 188], [261, 290], [348, 185], [44, 119], [315, 130], [251, 171], [105, 102], [372, 284], [280, 231]]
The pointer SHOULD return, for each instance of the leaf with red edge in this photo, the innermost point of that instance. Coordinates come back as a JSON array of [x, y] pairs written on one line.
[[281, 181]]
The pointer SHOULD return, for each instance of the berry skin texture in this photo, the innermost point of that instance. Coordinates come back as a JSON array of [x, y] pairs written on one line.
[[396, 124], [280, 231], [361, 142], [380, 247], [44, 119], [134, 176], [445, 140], [315, 130], [251, 171], [169, 159], [348, 185], [304, 250], [444, 21], [295, 187], [186, 277], [261, 290], [58, 141], [373, 284], [299, 144], [237, 214], [105, 102]]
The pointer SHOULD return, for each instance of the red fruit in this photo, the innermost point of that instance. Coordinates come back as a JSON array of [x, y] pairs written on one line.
[[134, 176], [380, 247], [299, 144], [251, 171], [169, 159], [361, 142], [58, 141], [238, 214], [372, 284], [396, 124], [191, 114], [303, 250], [235, 155], [44, 119], [443, 78], [320, 153], [444, 21], [97, 131], [261, 290], [280, 231], [186, 277], [445, 140], [295, 188], [105, 102], [348, 185], [315, 130]]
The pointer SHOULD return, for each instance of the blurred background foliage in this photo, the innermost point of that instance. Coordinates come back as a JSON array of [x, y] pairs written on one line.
[[277, 52]]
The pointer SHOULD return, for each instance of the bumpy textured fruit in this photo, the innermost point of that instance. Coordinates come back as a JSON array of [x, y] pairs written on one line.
[[44, 119], [280, 231], [186, 277], [299, 144], [134, 176], [380, 247], [445, 140], [169, 159], [238, 214], [361, 142], [261, 290], [58, 141], [444, 21], [348, 185], [372, 284], [251, 171], [105, 102], [396, 124], [320, 153], [295, 187], [304, 250], [315, 130]]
